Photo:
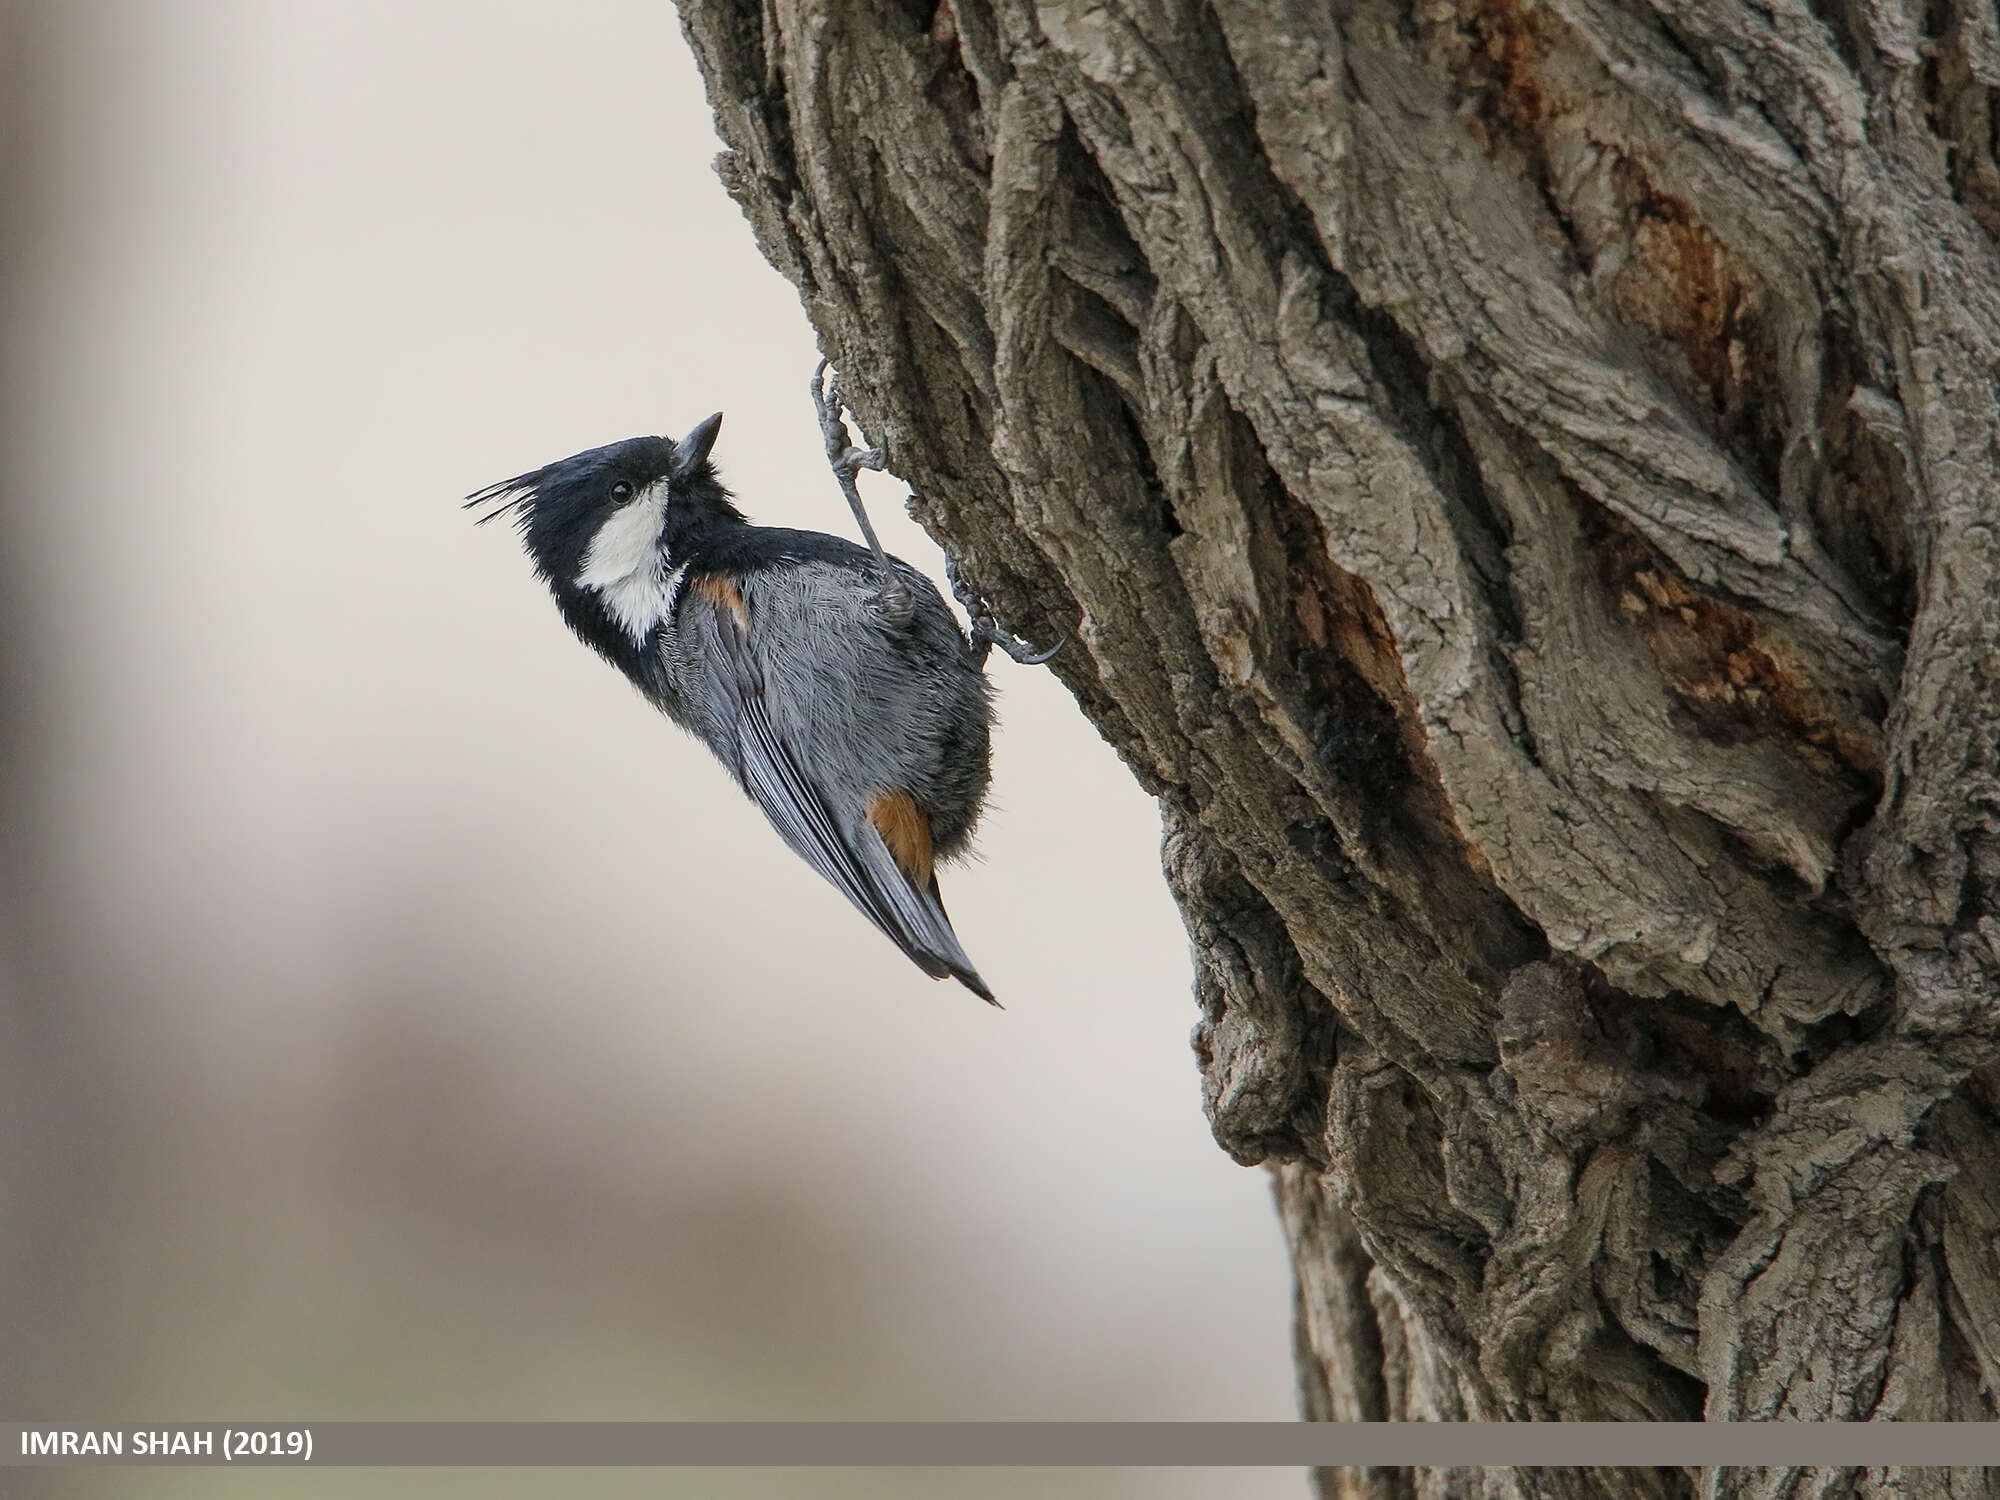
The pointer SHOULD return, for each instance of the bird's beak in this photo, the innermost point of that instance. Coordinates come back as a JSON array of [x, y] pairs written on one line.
[[693, 448]]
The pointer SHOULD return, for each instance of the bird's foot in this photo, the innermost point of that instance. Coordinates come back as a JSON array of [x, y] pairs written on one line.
[[846, 458], [986, 631]]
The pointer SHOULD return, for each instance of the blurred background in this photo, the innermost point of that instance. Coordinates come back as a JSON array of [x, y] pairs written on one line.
[[401, 1021]]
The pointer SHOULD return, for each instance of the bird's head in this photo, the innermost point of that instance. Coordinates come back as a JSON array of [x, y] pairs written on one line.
[[601, 527]]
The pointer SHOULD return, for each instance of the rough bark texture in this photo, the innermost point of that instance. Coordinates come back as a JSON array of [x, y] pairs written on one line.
[[1521, 483]]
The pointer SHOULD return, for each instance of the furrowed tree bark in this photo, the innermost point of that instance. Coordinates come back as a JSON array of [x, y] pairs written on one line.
[[1522, 485]]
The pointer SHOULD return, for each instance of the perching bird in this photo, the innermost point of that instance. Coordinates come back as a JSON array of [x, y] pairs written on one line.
[[832, 681]]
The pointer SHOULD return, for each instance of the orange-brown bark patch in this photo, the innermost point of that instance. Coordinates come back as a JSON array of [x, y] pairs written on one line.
[[1494, 51], [1737, 679], [1679, 282]]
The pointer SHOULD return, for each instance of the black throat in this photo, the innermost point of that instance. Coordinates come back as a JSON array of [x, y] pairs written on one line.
[[700, 513], [701, 524]]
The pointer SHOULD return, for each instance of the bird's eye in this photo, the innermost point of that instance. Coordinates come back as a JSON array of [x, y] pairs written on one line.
[[621, 492]]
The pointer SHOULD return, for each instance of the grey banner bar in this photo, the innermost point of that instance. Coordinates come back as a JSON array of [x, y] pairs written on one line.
[[1003, 1444]]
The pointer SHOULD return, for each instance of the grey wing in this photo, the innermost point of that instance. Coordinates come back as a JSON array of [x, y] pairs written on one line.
[[847, 851]]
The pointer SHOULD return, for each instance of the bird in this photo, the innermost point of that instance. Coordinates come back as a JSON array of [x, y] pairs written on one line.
[[830, 679]]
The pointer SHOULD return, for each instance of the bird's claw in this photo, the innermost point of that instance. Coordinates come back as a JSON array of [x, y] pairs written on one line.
[[986, 631], [845, 464], [841, 452], [827, 403]]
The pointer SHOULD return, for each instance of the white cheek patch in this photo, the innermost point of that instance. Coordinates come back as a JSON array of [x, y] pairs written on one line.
[[625, 566]]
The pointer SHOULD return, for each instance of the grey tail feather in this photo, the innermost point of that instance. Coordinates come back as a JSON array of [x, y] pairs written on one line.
[[918, 923], [963, 972]]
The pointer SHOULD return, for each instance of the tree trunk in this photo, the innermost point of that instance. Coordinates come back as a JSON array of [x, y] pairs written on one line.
[[1521, 484]]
